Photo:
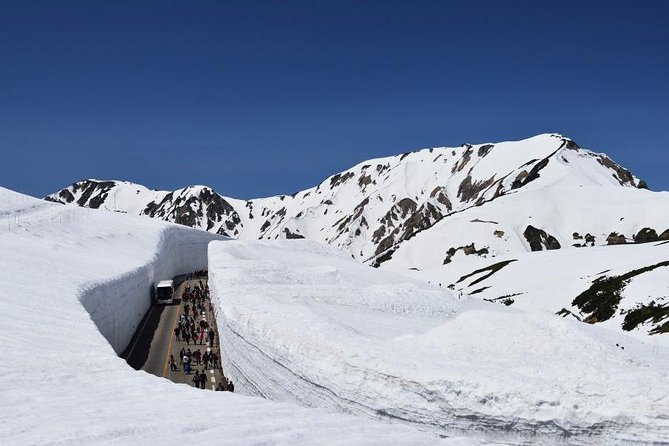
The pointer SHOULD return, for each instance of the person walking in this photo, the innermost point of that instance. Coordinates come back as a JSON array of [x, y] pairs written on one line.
[[211, 335], [196, 379], [203, 379]]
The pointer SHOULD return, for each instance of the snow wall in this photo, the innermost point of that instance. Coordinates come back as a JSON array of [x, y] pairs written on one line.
[[118, 305]]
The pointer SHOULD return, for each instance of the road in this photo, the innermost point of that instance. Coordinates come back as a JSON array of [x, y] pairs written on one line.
[[154, 342]]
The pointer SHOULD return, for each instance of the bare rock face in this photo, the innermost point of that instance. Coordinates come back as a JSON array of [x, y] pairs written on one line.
[[292, 235], [590, 239], [467, 250], [616, 239], [91, 193], [539, 239], [646, 235]]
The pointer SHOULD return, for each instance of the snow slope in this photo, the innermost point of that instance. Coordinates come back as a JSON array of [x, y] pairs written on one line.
[[75, 283], [302, 322], [543, 280]]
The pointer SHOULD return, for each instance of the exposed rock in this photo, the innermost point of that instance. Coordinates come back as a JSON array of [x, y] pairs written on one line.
[[466, 157], [364, 180], [589, 238], [525, 177], [577, 236], [469, 190], [621, 174], [615, 239], [539, 239], [664, 235], [292, 235], [339, 178], [265, 226], [441, 196], [484, 149], [380, 232], [646, 235], [66, 195], [499, 234], [467, 250]]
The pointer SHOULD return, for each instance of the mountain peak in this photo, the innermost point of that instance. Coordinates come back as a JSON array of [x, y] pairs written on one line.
[[376, 205]]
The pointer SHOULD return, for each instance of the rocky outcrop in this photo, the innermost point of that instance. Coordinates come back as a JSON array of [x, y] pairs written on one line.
[[538, 239], [467, 250], [616, 239], [646, 235]]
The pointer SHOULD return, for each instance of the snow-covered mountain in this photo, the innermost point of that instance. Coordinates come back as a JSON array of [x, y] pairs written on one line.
[[446, 214], [375, 206]]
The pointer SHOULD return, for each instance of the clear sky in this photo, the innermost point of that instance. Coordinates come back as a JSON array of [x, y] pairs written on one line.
[[262, 98]]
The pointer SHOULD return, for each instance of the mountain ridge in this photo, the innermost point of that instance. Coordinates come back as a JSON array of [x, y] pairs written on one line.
[[462, 181]]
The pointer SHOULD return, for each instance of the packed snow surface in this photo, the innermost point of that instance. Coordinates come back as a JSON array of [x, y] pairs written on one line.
[[303, 322], [75, 284]]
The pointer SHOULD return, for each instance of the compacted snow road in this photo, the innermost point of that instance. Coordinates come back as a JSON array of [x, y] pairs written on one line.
[[155, 341]]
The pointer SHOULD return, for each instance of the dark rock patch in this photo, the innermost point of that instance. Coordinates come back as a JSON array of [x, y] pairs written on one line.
[[467, 250], [526, 177], [489, 270], [364, 180], [338, 179], [616, 239], [66, 195], [539, 239], [440, 194], [469, 190], [484, 149], [646, 235], [292, 235], [466, 156], [621, 174]]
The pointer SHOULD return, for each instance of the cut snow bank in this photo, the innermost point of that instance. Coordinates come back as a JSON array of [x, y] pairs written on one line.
[[300, 322], [63, 383], [118, 305]]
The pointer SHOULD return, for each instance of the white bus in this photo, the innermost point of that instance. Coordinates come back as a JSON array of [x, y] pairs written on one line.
[[165, 292]]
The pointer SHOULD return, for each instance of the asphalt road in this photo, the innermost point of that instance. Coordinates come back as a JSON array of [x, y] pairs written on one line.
[[154, 342]]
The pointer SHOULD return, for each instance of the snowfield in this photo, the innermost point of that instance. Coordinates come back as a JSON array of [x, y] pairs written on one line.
[[75, 284], [304, 323]]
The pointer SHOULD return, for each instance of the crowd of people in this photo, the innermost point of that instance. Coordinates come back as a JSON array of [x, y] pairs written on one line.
[[194, 327], [197, 274]]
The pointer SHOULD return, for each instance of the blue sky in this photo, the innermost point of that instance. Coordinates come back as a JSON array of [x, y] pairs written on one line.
[[262, 98]]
